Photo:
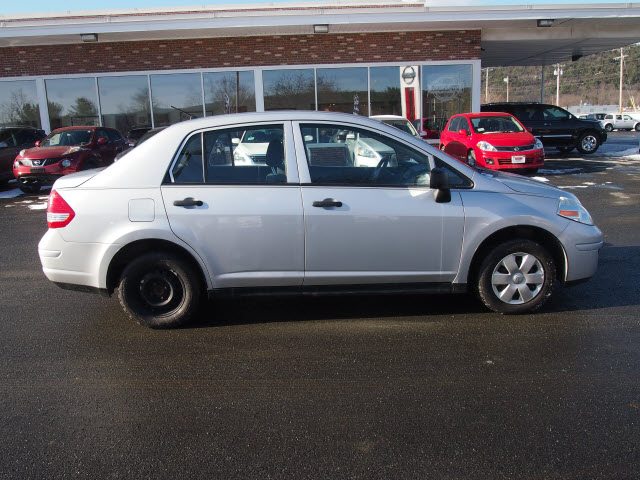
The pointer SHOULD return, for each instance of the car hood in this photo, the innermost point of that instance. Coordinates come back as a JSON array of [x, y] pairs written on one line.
[[513, 139], [530, 186], [37, 153], [76, 179]]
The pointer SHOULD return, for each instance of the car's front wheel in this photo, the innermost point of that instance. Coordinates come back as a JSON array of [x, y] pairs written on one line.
[[516, 277], [160, 290], [471, 158], [637, 127], [588, 143], [608, 127]]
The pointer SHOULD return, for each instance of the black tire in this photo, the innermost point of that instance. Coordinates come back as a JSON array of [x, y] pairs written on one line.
[[565, 149], [588, 143], [29, 188], [471, 158], [160, 290], [637, 129], [89, 165], [528, 271], [608, 127]]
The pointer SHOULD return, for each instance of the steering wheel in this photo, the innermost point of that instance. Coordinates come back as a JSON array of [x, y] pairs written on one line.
[[376, 173]]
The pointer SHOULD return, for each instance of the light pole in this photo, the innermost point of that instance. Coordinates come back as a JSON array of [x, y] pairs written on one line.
[[506, 79], [621, 58], [557, 72]]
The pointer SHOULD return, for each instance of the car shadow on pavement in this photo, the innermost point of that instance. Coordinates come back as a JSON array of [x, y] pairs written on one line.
[[561, 165], [615, 283], [300, 308]]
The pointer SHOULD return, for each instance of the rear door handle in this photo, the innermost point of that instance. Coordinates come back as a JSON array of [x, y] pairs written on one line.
[[188, 202], [327, 202]]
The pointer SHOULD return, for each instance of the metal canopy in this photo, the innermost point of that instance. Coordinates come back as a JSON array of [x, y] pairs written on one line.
[[510, 34]]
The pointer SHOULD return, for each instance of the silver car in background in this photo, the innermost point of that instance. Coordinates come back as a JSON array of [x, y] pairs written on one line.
[[178, 217]]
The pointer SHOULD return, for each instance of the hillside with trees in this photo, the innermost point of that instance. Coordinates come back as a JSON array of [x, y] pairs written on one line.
[[594, 79]]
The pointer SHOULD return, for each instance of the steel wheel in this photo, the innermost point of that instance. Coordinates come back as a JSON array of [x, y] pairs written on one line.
[[515, 277], [518, 278]]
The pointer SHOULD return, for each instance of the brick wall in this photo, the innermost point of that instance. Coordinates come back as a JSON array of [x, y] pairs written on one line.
[[398, 47]]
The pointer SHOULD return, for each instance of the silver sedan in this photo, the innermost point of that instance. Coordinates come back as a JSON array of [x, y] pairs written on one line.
[[329, 203]]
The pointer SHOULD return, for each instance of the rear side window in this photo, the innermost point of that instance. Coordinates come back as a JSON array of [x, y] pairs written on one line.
[[113, 135], [252, 155]]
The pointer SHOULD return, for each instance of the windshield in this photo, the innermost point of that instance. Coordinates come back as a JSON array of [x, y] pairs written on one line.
[[67, 138], [404, 125], [495, 124]]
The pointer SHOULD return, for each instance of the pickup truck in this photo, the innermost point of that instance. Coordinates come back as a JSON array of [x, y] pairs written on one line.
[[620, 122]]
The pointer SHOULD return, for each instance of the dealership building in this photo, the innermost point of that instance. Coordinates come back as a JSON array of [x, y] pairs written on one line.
[[154, 67]]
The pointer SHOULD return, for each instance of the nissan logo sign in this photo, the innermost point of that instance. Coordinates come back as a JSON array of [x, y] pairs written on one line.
[[408, 74]]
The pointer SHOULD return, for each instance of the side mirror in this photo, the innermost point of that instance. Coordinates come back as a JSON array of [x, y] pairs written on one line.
[[439, 181], [38, 143], [529, 129], [463, 131], [235, 141], [102, 141], [308, 138], [3, 145]]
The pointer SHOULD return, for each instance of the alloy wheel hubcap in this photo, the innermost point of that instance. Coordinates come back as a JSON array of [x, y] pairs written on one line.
[[518, 278], [589, 143]]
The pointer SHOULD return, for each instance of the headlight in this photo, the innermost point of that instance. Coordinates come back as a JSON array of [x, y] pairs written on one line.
[[16, 164], [365, 151], [538, 144], [486, 146], [572, 209], [72, 150]]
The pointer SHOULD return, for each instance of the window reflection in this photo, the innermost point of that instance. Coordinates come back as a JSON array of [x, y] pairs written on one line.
[[72, 102], [19, 103], [182, 91], [229, 92], [446, 91], [343, 90], [124, 102], [289, 89], [385, 91]]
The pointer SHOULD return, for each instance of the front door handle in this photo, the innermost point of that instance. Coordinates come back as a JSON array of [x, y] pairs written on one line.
[[327, 202], [188, 202]]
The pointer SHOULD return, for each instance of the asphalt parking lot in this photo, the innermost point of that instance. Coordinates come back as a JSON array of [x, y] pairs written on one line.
[[404, 387]]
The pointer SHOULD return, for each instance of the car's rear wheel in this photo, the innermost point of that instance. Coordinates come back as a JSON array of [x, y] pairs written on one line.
[[160, 290], [565, 149], [637, 129], [29, 188], [516, 277], [471, 158], [608, 127], [588, 143]]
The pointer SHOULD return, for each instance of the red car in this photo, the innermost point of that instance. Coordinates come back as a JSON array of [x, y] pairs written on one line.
[[66, 150], [492, 140]]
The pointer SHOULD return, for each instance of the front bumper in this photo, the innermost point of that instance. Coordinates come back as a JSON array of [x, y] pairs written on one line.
[[504, 160], [582, 244]]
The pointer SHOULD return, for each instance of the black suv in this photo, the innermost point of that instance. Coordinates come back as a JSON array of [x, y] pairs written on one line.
[[12, 140], [554, 126]]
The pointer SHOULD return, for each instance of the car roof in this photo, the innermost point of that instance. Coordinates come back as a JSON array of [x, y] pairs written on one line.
[[482, 114], [388, 117]]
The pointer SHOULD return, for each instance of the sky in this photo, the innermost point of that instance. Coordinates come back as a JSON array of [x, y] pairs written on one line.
[[36, 6]]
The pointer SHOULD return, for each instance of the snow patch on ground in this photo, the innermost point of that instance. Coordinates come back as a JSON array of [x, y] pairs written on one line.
[[11, 193]]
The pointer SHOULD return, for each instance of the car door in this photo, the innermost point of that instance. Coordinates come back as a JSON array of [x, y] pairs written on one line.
[[452, 136], [559, 126], [9, 149], [243, 218], [373, 225]]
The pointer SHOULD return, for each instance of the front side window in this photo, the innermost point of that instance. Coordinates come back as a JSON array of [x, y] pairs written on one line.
[[345, 155], [253, 155]]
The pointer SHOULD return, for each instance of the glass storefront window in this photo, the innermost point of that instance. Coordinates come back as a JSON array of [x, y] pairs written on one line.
[[386, 98], [343, 90], [182, 91], [19, 103], [72, 102], [446, 91], [124, 102], [229, 92], [289, 89]]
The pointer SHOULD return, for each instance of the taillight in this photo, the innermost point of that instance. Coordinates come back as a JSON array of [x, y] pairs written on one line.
[[59, 213]]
